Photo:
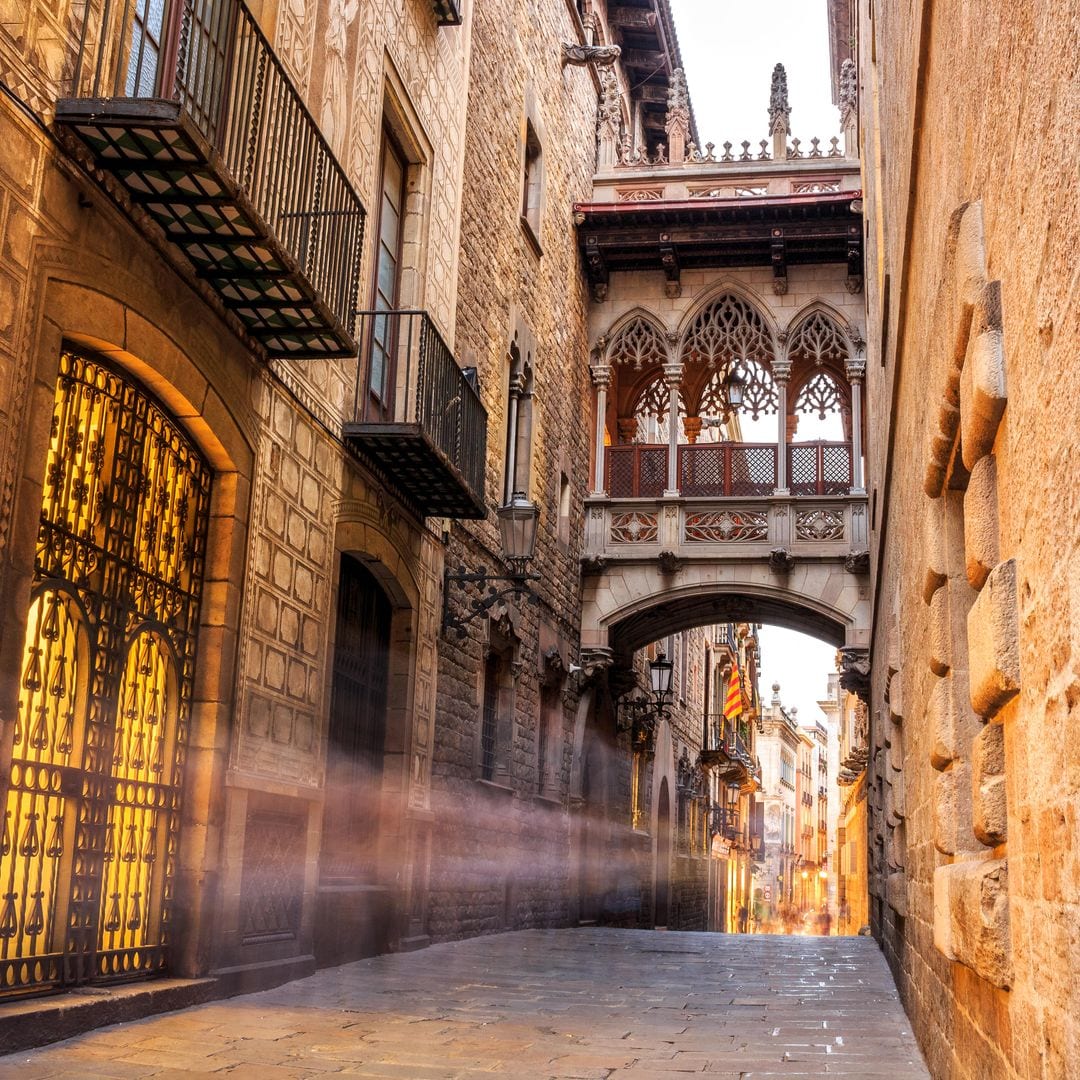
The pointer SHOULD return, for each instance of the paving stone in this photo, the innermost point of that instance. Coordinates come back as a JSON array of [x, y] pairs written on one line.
[[584, 1004]]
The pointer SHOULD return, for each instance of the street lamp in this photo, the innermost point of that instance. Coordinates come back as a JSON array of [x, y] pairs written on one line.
[[517, 530], [735, 387], [641, 715]]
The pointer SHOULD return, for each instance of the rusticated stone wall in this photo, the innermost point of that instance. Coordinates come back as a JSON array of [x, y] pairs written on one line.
[[968, 121]]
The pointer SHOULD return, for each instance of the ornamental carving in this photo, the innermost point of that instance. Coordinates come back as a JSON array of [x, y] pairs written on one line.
[[728, 330], [669, 562], [727, 527], [751, 192], [819, 525], [821, 394], [779, 109], [818, 338], [849, 92], [855, 671], [781, 561], [637, 195], [638, 344], [635, 527], [580, 55], [759, 392], [814, 187]]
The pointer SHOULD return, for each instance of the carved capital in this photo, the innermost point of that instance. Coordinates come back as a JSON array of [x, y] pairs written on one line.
[[601, 376], [855, 367], [781, 370]]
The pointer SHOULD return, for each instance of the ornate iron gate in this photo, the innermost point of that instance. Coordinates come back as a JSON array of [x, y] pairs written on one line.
[[88, 856]]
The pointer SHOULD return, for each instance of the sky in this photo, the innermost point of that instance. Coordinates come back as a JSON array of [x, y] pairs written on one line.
[[800, 664], [729, 50]]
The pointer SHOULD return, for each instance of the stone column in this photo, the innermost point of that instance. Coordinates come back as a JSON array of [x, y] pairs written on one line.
[[781, 372], [673, 378], [856, 369], [601, 377]]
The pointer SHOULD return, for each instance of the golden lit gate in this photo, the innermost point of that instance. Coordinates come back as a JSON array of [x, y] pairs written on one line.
[[90, 830]]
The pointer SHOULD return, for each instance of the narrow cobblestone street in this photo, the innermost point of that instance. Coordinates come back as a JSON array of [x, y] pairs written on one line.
[[586, 1003]]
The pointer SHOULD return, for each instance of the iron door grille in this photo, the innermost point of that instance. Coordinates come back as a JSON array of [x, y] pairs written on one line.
[[91, 819]]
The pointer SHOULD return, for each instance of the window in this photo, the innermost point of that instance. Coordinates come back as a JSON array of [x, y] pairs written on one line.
[[496, 712], [489, 720], [564, 508], [532, 184], [519, 416], [387, 282], [787, 770]]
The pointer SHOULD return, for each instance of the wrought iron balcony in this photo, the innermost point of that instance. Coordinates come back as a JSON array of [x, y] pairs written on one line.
[[725, 750], [726, 822], [190, 109], [416, 417]]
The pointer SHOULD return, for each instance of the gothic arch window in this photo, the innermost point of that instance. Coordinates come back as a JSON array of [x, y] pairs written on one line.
[[649, 414], [727, 330], [819, 340], [638, 344], [92, 814]]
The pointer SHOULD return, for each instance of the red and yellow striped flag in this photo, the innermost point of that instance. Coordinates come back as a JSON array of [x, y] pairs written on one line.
[[733, 703]]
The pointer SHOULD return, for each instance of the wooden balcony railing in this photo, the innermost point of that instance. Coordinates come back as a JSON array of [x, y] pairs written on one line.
[[728, 470], [188, 105], [416, 416]]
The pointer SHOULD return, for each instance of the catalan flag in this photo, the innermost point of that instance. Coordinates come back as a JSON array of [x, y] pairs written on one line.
[[733, 703]]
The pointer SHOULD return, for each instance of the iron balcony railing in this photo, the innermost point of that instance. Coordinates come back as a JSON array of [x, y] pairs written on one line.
[[211, 57], [409, 387], [727, 469]]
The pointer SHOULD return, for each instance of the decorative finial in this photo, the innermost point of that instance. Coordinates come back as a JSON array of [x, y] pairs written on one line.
[[677, 122], [779, 109]]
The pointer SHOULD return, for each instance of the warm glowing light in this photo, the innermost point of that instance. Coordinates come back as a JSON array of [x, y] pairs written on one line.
[[823, 874], [805, 874]]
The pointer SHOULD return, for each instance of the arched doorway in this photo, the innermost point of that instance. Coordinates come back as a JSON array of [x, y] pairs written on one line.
[[662, 905], [353, 916], [91, 825]]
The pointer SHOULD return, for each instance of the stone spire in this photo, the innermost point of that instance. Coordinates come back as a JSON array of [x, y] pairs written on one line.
[[849, 107], [779, 113], [677, 124]]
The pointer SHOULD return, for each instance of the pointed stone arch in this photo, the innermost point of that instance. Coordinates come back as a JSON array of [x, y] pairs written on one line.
[[631, 329], [744, 295]]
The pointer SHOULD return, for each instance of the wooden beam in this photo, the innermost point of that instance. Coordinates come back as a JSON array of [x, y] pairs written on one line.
[[632, 18], [644, 60]]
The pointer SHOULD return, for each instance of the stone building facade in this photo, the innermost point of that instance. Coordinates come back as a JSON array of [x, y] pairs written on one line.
[[967, 125]]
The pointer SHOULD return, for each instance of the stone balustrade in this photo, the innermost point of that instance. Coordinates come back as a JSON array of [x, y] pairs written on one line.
[[684, 528]]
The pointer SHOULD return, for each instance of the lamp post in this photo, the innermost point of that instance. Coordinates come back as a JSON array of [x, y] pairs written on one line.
[[517, 531], [640, 716]]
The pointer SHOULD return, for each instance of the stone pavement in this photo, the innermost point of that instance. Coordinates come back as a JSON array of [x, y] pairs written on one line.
[[533, 1004]]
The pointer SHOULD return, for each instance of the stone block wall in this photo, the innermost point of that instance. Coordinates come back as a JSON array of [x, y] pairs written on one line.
[[972, 405], [502, 850]]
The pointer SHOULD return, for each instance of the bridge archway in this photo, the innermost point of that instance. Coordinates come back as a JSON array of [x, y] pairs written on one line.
[[627, 606]]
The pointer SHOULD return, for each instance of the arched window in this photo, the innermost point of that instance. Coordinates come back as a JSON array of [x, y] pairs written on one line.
[[727, 330], [638, 344]]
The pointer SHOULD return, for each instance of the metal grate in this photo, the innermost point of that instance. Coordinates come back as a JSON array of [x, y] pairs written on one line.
[[819, 468], [636, 472], [92, 817], [489, 724], [722, 469]]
